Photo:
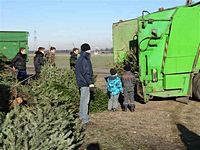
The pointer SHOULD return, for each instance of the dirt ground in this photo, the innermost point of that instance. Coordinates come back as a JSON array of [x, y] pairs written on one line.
[[157, 125]]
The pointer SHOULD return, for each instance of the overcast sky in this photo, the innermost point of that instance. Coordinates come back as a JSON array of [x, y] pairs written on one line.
[[64, 23]]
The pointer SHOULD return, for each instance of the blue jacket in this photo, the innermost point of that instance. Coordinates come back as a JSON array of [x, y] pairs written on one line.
[[83, 70], [114, 85]]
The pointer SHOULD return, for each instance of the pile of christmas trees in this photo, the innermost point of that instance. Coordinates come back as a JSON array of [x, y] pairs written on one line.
[[47, 118]]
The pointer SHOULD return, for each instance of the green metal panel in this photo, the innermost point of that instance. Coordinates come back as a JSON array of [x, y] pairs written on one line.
[[175, 81], [152, 57], [11, 41], [184, 40], [123, 33]]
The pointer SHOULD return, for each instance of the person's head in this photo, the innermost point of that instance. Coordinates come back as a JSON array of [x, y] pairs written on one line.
[[113, 71], [85, 48], [127, 67], [52, 49], [22, 50], [41, 49], [75, 51]]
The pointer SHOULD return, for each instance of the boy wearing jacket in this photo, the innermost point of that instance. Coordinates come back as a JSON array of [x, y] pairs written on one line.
[[19, 63], [39, 61], [128, 80], [73, 58], [114, 87]]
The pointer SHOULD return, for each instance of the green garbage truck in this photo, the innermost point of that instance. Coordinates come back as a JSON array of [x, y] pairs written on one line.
[[166, 47], [10, 42]]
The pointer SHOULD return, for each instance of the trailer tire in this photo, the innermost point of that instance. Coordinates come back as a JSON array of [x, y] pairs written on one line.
[[196, 86]]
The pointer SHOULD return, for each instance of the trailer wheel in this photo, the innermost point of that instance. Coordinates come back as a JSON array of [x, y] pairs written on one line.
[[196, 86]]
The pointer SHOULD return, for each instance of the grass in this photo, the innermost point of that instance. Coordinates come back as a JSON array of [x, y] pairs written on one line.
[[98, 61]]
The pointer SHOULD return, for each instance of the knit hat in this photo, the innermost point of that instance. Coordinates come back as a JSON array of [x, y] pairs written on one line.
[[127, 68], [85, 47], [113, 71]]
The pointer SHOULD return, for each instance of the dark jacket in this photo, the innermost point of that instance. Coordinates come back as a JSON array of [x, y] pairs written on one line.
[[129, 81], [83, 70], [73, 59], [38, 61], [19, 61]]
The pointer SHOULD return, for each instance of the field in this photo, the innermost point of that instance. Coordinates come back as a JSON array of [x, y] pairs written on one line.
[[101, 65], [99, 61], [161, 124]]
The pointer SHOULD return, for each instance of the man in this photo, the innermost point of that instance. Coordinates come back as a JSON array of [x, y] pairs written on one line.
[[50, 56], [84, 78], [73, 58]]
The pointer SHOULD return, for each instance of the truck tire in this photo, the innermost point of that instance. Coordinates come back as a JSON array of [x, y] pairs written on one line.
[[196, 86]]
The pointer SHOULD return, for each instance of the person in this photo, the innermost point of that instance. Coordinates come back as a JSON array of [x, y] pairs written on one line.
[[114, 87], [39, 61], [19, 64], [73, 58], [129, 81], [50, 56], [84, 78]]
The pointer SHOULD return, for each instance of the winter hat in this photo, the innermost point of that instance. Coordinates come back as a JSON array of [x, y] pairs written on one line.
[[113, 71], [85, 47], [127, 68]]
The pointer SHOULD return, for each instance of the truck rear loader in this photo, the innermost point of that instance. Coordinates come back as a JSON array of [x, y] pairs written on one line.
[[166, 48]]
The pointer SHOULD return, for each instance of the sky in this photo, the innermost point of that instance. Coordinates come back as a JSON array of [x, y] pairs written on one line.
[[68, 23]]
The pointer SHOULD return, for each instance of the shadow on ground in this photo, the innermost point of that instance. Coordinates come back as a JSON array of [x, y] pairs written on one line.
[[93, 146], [190, 139]]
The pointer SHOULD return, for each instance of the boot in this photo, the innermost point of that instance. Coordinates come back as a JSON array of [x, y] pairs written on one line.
[[132, 107], [125, 106]]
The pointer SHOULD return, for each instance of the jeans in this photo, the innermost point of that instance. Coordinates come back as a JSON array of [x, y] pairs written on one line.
[[84, 101], [129, 98], [22, 75], [113, 102]]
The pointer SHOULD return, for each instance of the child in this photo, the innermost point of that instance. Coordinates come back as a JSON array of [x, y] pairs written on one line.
[[50, 56], [114, 87], [128, 80], [39, 61], [73, 58], [19, 63]]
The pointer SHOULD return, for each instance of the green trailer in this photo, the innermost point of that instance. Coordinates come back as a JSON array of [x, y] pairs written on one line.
[[123, 33], [167, 52], [10, 42]]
